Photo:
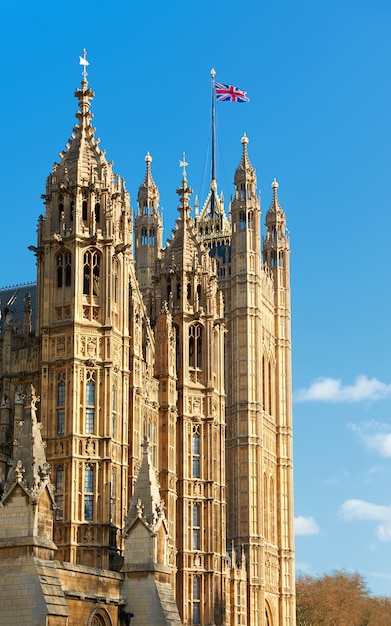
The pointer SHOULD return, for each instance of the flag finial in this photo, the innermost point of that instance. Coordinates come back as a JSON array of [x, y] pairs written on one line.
[[183, 163], [83, 61]]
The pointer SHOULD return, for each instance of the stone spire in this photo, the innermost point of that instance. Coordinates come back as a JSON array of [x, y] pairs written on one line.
[[146, 504], [184, 246], [82, 162], [245, 173], [29, 467], [275, 219], [148, 194], [31, 528], [146, 588]]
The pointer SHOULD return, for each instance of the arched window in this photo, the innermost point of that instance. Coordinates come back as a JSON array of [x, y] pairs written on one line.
[[97, 212], [84, 207], [60, 210], [144, 236], [91, 273], [242, 220], [60, 409], [151, 236], [196, 452], [88, 492], [64, 269], [113, 411], [89, 428], [100, 617], [195, 346], [60, 493], [112, 498]]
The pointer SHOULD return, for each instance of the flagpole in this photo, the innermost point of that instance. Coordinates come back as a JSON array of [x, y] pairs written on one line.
[[213, 184]]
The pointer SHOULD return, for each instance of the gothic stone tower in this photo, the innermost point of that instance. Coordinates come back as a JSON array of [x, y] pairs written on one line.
[[258, 387], [189, 305], [98, 393]]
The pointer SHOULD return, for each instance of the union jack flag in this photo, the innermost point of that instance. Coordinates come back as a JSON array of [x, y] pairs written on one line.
[[229, 93]]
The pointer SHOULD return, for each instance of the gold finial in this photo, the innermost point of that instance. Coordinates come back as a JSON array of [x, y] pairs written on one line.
[[213, 72], [244, 139]]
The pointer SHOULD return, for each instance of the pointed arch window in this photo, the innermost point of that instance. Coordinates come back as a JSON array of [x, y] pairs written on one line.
[[195, 346], [88, 492], [64, 269], [60, 409], [144, 236], [242, 220], [112, 498], [84, 209], [196, 458], [151, 236], [97, 212], [60, 493], [89, 425], [91, 273], [60, 210]]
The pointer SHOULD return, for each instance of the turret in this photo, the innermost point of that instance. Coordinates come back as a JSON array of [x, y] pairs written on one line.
[[245, 207], [148, 231], [276, 242]]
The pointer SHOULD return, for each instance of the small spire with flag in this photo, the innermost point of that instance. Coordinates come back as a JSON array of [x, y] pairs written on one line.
[[83, 61], [183, 163]]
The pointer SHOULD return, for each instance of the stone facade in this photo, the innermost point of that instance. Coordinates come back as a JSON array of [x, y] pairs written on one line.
[[151, 482]]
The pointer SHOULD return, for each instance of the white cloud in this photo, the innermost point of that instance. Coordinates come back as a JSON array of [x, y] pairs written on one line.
[[375, 435], [332, 390], [306, 526], [361, 510]]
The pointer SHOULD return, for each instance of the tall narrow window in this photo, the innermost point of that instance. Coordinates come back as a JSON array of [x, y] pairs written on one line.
[[196, 526], [60, 409], [97, 212], [84, 210], [144, 236], [195, 346], [113, 411], [196, 453], [60, 493], [242, 220], [112, 498], [196, 600], [88, 492], [90, 404], [151, 236]]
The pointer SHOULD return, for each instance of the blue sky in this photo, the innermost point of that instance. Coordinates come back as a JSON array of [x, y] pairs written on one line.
[[318, 75]]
